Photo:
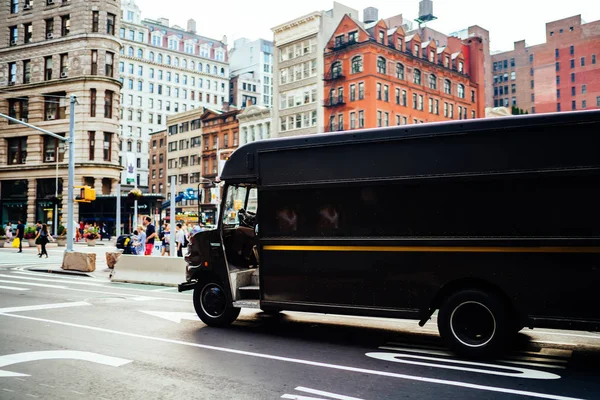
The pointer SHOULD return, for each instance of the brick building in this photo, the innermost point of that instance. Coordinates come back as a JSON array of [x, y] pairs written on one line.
[[381, 76], [158, 162], [562, 74], [48, 52]]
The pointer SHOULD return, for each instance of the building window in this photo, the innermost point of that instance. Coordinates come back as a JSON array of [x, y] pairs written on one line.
[[341, 122], [352, 120], [572, 50], [572, 63], [361, 90], [512, 62], [64, 65], [92, 144], [573, 91], [65, 25], [400, 71], [573, 77], [17, 150], [513, 76], [532, 84], [447, 86], [417, 76], [109, 67], [582, 61], [583, 104], [110, 24], [379, 119], [404, 98], [381, 65], [108, 104], [13, 35], [18, 109], [558, 93], [48, 68], [95, 20], [49, 27], [461, 91], [353, 92], [55, 106], [92, 103], [378, 91], [414, 98], [26, 71], [14, 6], [94, 62], [574, 105], [27, 32], [107, 146], [593, 59], [433, 82]]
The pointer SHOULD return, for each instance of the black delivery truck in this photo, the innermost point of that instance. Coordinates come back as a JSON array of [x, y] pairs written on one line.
[[495, 223]]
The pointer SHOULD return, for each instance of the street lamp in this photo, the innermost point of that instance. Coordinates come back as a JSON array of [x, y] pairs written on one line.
[[60, 150]]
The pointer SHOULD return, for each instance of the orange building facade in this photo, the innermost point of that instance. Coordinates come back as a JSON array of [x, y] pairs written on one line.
[[377, 76]]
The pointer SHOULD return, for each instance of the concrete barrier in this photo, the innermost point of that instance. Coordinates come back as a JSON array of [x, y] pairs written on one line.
[[76, 261], [165, 271]]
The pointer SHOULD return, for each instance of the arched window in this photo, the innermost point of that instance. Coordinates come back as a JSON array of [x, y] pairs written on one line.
[[447, 86], [184, 63], [381, 65], [168, 60], [222, 71], [151, 56], [199, 67], [336, 69], [461, 91], [417, 76], [176, 62], [208, 68], [130, 51], [192, 65], [140, 53], [432, 81], [400, 71], [159, 58], [357, 64], [215, 70]]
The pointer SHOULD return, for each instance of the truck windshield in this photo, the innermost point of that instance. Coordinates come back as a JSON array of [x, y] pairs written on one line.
[[236, 195]]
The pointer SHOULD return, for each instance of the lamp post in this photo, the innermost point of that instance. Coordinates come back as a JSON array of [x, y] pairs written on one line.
[[60, 150]]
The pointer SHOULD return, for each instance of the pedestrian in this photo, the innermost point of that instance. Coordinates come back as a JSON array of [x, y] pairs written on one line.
[[81, 229], [44, 239], [8, 230], [38, 227], [179, 240], [150, 235], [140, 241], [20, 234], [165, 239]]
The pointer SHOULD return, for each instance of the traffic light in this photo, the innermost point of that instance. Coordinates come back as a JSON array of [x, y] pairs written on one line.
[[86, 195]]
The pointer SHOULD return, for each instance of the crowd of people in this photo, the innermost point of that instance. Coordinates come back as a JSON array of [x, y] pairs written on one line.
[[145, 235], [42, 236]]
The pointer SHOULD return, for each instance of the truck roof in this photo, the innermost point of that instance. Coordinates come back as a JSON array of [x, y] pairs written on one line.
[[515, 144]]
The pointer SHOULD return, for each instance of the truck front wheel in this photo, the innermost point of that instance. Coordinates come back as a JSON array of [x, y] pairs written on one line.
[[475, 323], [211, 304]]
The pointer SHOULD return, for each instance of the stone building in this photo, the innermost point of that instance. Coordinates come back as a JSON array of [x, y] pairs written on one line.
[[165, 70], [255, 124], [49, 51], [562, 74], [298, 65]]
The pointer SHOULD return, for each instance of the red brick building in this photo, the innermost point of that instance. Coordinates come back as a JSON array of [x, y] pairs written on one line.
[[562, 74], [377, 76], [220, 137], [157, 182]]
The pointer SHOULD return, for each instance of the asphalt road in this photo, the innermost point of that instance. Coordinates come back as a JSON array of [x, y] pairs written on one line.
[[73, 337]]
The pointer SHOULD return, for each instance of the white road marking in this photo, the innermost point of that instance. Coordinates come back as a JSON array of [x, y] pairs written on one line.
[[305, 362], [164, 289], [13, 288], [326, 394], [516, 357], [27, 278], [533, 364], [73, 391], [44, 307], [298, 397], [32, 395], [173, 316], [516, 372], [33, 284], [18, 358]]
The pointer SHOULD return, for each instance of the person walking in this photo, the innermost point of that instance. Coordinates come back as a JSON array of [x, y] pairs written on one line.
[[140, 241], [38, 227], [179, 239], [8, 230], [20, 234], [44, 239], [150, 235], [166, 240]]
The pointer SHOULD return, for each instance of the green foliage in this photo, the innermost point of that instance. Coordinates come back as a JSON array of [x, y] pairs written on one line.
[[30, 232], [61, 230]]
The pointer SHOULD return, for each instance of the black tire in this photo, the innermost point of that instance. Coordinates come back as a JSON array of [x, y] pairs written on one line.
[[475, 324], [211, 304]]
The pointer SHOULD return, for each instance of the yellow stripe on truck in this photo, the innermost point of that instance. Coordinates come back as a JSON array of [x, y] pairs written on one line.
[[437, 249]]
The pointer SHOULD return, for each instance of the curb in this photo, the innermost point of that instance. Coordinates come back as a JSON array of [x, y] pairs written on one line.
[[60, 272]]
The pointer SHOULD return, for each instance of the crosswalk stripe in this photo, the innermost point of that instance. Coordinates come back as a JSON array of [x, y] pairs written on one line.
[[13, 288], [33, 284]]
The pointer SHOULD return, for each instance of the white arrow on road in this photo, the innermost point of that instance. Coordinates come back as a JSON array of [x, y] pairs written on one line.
[[173, 316], [18, 358]]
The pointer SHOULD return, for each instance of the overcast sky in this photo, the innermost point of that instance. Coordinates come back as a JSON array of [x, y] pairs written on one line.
[[506, 20]]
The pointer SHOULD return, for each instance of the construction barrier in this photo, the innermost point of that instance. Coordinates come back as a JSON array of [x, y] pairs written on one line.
[[164, 271]]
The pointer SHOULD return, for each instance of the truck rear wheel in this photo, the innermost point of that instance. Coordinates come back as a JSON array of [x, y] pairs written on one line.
[[212, 305], [475, 323]]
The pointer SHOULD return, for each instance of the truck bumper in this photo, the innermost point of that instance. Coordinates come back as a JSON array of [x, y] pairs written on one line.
[[183, 287]]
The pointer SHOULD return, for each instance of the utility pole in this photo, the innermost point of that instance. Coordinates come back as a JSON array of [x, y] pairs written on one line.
[[118, 216], [173, 245]]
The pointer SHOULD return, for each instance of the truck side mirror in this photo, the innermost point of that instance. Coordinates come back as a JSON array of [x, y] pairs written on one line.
[[256, 230]]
